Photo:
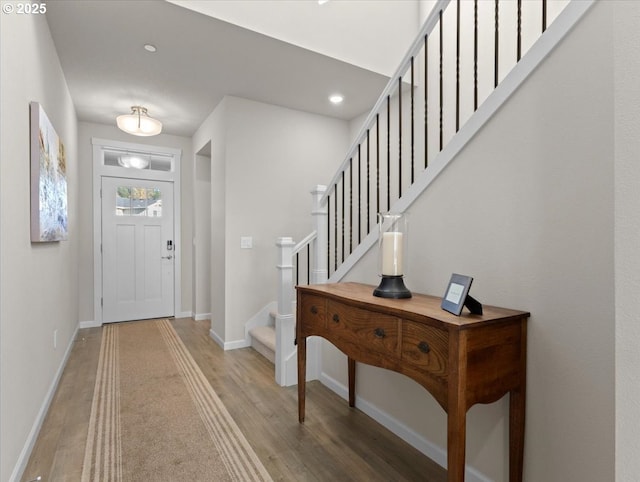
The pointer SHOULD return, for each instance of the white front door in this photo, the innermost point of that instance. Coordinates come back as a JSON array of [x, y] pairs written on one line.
[[137, 249]]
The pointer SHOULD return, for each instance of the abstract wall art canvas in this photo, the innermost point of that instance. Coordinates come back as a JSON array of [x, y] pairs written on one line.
[[48, 180]]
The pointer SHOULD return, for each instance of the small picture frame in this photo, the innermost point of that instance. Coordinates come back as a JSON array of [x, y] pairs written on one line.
[[456, 294]]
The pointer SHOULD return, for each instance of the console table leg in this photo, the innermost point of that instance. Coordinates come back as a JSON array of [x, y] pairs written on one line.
[[302, 378], [516, 434], [456, 440], [352, 382]]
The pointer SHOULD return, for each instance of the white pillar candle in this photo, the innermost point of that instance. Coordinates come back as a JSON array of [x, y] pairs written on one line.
[[392, 254]]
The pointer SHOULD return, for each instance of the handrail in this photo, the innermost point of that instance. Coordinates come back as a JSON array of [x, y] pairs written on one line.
[[303, 243], [427, 27]]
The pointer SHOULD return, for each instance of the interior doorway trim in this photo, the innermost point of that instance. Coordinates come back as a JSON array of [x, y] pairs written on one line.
[[100, 146]]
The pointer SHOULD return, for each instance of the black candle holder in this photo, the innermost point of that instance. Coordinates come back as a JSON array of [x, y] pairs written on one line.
[[392, 248], [392, 287]]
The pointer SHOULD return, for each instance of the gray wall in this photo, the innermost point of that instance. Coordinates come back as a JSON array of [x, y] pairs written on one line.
[[527, 210], [627, 235], [38, 282]]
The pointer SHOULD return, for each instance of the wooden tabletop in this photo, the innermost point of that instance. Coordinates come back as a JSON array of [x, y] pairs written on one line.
[[417, 307]]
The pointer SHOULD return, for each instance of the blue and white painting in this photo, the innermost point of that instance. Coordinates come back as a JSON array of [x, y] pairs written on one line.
[[48, 180]]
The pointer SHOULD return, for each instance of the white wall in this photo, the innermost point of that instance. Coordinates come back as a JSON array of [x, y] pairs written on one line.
[[202, 236], [627, 233], [211, 136], [527, 209], [275, 157], [38, 282], [272, 159], [87, 131]]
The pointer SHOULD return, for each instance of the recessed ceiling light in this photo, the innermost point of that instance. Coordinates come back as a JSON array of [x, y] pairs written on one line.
[[150, 47], [336, 98]]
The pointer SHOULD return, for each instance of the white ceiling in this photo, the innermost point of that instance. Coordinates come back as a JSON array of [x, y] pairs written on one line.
[[372, 34], [199, 60]]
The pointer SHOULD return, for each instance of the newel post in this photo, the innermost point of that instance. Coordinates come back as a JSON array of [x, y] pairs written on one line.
[[285, 319], [319, 212]]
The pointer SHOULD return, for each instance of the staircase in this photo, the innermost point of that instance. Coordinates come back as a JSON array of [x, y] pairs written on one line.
[[263, 340], [466, 61], [260, 332]]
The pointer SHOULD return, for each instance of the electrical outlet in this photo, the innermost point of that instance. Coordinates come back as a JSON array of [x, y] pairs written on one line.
[[55, 339]]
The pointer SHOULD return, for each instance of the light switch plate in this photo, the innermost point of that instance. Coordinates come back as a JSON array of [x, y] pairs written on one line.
[[246, 242]]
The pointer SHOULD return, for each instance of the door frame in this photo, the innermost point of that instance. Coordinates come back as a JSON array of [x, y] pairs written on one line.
[[100, 170]]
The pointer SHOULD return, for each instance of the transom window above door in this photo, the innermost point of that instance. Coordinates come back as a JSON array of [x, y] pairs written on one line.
[[137, 160]]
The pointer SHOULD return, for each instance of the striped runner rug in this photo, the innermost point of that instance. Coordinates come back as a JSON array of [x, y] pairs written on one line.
[[155, 416]]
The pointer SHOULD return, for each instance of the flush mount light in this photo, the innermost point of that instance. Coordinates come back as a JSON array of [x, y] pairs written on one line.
[[336, 98], [139, 123], [133, 161], [150, 47], [322, 2]]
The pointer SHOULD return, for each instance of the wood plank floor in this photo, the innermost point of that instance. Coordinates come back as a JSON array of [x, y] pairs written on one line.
[[335, 442]]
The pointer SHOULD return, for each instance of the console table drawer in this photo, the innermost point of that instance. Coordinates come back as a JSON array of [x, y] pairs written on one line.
[[363, 328], [314, 310], [425, 347]]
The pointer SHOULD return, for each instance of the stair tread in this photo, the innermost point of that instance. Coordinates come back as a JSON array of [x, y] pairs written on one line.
[[265, 335]]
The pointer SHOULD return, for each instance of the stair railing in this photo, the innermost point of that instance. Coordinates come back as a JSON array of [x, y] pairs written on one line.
[[456, 78], [461, 54]]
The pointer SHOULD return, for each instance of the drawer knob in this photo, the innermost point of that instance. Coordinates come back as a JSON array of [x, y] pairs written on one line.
[[423, 346], [336, 318], [314, 309], [379, 333]]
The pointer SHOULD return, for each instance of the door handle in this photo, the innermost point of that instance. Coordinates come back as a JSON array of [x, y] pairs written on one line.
[[167, 257]]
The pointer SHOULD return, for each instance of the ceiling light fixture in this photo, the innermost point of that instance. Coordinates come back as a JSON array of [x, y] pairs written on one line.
[[322, 2], [150, 48], [139, 123], [336, 98], [133, 161]]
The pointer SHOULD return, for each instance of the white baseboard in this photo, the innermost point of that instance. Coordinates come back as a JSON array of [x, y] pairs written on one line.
[[216, 338], [202, 316], [228, 345], [234, 345], [428, 448], [21, 464], [184, 314], [89, 324]]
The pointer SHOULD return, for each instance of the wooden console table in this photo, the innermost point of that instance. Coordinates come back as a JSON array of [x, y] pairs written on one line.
[[461, 360]]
